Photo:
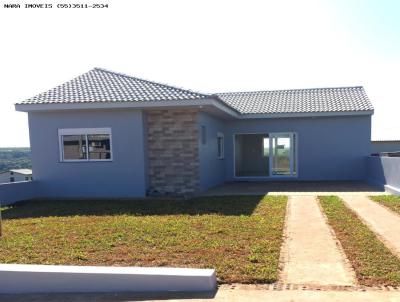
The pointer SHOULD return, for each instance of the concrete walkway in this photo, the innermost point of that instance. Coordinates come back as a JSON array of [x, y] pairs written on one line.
[[384, 222], [310, 253]]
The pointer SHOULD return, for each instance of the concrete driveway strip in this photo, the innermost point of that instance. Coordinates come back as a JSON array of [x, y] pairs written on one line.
[[311, 255], [384, 222]]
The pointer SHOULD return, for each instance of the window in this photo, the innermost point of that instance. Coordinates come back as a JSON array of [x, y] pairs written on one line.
[[220, 145], [91, 144], [26, 177], [203, 135], [12, 179], [99, 146], [74, 147]]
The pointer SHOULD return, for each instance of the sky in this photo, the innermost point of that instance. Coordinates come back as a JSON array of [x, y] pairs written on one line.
[[206, 46]]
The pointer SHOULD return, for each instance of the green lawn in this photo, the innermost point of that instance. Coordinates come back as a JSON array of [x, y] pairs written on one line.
[[390, 201], [238, 236], [373, 263]]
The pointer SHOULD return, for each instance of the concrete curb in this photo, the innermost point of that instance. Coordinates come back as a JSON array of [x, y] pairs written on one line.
[[21, 278]]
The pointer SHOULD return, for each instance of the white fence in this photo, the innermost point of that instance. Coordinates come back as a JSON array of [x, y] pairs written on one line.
[[385, 172], [21, 278]]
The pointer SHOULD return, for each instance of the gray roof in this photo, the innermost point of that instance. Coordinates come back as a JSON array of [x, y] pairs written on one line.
[[100, 85], [103, 86], [339, 99]]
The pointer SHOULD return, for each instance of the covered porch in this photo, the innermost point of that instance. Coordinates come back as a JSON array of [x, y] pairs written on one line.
[[293, 188]]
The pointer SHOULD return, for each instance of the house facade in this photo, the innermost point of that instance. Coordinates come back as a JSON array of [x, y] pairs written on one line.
[[105, 134]]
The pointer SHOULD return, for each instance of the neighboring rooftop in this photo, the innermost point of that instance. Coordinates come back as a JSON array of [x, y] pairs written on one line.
[[103, 86], [22, 171], [100, 85], [338, 99], [385, 140]]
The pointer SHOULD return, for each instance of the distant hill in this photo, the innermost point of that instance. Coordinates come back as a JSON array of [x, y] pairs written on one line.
[[15, 158]]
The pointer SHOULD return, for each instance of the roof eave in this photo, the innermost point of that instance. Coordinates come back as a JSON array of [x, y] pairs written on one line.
[[304, 114], [212, 101], [45, 107]]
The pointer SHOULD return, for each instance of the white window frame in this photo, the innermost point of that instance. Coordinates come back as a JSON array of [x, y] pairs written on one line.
[[86, 132], [220, 136]]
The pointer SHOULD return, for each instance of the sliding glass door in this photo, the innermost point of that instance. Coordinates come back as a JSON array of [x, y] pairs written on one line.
[[283, 155], [265, 155]]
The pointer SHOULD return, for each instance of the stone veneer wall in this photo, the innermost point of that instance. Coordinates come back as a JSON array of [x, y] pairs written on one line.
[[173, 151]]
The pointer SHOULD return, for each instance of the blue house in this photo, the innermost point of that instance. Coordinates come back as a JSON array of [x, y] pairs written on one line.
[[106, 134]]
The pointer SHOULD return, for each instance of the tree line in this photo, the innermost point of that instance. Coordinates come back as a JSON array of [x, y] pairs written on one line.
[[15, 158]]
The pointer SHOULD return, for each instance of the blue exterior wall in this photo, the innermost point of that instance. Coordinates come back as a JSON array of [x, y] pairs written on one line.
[[212, 169], [329, 148], [122, 177]]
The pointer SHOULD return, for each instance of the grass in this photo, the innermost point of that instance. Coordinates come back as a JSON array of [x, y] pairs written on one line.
[[373, 263], [390, 201], [238, 236]]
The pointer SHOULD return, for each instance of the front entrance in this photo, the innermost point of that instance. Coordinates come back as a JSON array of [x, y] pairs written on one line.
[[265, 155]]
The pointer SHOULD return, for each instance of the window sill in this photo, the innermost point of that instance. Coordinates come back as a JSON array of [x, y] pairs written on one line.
[[86, 161]]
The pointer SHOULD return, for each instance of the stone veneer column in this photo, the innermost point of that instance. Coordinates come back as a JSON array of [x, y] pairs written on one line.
[[173, 151]]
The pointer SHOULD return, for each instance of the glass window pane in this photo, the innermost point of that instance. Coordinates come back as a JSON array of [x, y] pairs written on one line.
[[99, 146], [220, 142], [251, 157], [74, 147], [266, 146], [203, 135], [281, 148], [294, 155]]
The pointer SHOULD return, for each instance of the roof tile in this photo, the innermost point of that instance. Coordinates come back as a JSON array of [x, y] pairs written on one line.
[[100, 85], [338, 99]]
